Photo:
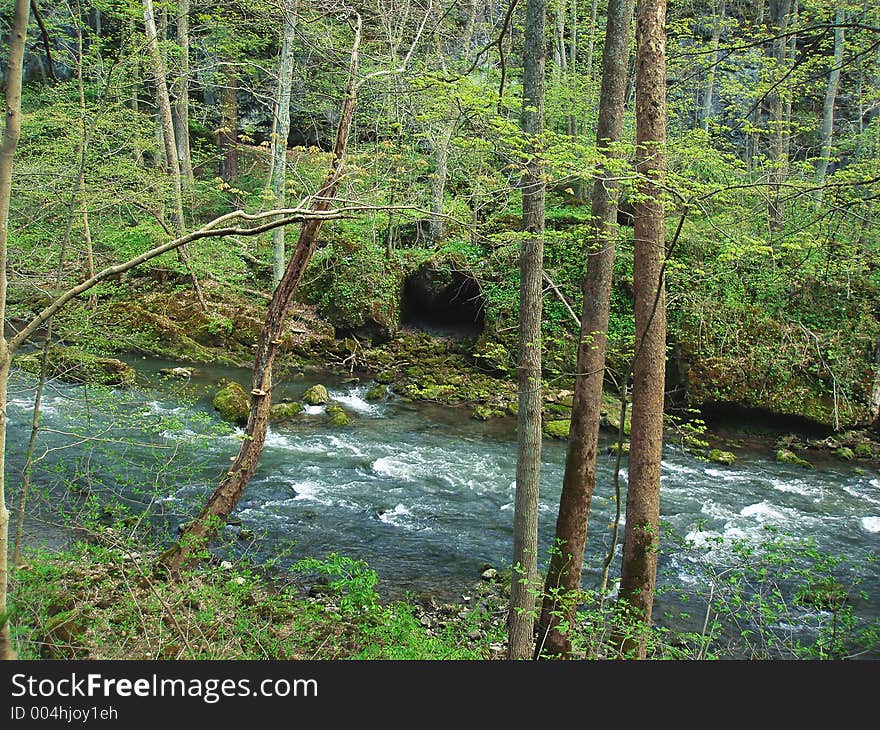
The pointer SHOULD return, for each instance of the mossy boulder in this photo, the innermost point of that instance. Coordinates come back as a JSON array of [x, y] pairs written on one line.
[[377, 392], [789, 457], [610, 414], [317, 395], [557, 429], [233, 403], [721, 457], [485, 412], [74, 365], [284, 411], [338, 417], [863, 451], [845, 453]]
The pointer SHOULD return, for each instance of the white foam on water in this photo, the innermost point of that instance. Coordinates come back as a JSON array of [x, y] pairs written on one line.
[[871, 524], [309, 491], [793, 486], [726, 475], [396, 468], [859, 494], [354, 400], [277, 440], [313, 410], [713, 509], [678, 468], [764, 512], [158, 408], [401, 516], [183, 434]]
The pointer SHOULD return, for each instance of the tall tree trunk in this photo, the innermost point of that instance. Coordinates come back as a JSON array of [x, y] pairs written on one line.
[[172, 166], [708, 90], [201, 531], [564, 574], [521, 619], [641, 533], [443, 140], [827, 131], [228, 139], [282, 130], [181, 103], [779, 17], [11, 133]]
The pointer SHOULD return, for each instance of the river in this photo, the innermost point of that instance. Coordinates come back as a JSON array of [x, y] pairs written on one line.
[[423, 493]]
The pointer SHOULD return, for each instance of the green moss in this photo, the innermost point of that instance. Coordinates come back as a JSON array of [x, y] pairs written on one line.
[[233, 403], [789, 457], [284, 411], [338, 417], [845, 453], [863, 451], [557, 429], [77, 366], [377, 392], [721, 457], [317, 395], [612, 449]]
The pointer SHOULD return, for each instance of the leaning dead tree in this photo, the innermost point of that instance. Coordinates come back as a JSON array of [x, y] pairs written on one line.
[[203, 529]]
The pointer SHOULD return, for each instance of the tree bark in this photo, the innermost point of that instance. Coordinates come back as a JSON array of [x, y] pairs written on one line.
[[201, 531], [641, 539], [779, 17], [564, 574], [706, 112], [172, 165], [11, 133], [282, 130], [827, 131], [521, 619], [228, 138], [181, 103]]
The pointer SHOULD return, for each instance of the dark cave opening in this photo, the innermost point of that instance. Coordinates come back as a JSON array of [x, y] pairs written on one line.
[[443, 302]]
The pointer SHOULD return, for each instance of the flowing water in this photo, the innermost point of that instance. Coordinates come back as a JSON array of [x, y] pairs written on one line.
[[424, 494]]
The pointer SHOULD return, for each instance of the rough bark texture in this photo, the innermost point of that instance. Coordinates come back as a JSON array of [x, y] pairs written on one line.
[[708, 90], [641, 533], [180, 109], [11, 132], [521, 619], [779, 16], [228, 138], [564, 573], [172, 165], [204, 528], [282, 130], [827, 131]]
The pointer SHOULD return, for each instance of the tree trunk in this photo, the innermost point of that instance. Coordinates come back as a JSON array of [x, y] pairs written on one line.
[[199, 534], [521, 619], [564, 573], [172, 166], [181, 104], [779, 17], [11, 133], [706, 112], [228, 140], [827, 131], [641, 533], [437, 225], [282, 130]]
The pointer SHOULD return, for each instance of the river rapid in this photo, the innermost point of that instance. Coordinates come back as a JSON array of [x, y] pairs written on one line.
[[423, 493]]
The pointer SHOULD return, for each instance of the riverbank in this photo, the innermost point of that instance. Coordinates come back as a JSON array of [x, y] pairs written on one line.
[[434, 366]]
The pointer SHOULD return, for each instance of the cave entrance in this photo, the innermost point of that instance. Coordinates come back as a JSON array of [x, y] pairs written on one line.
[[443, 302]]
